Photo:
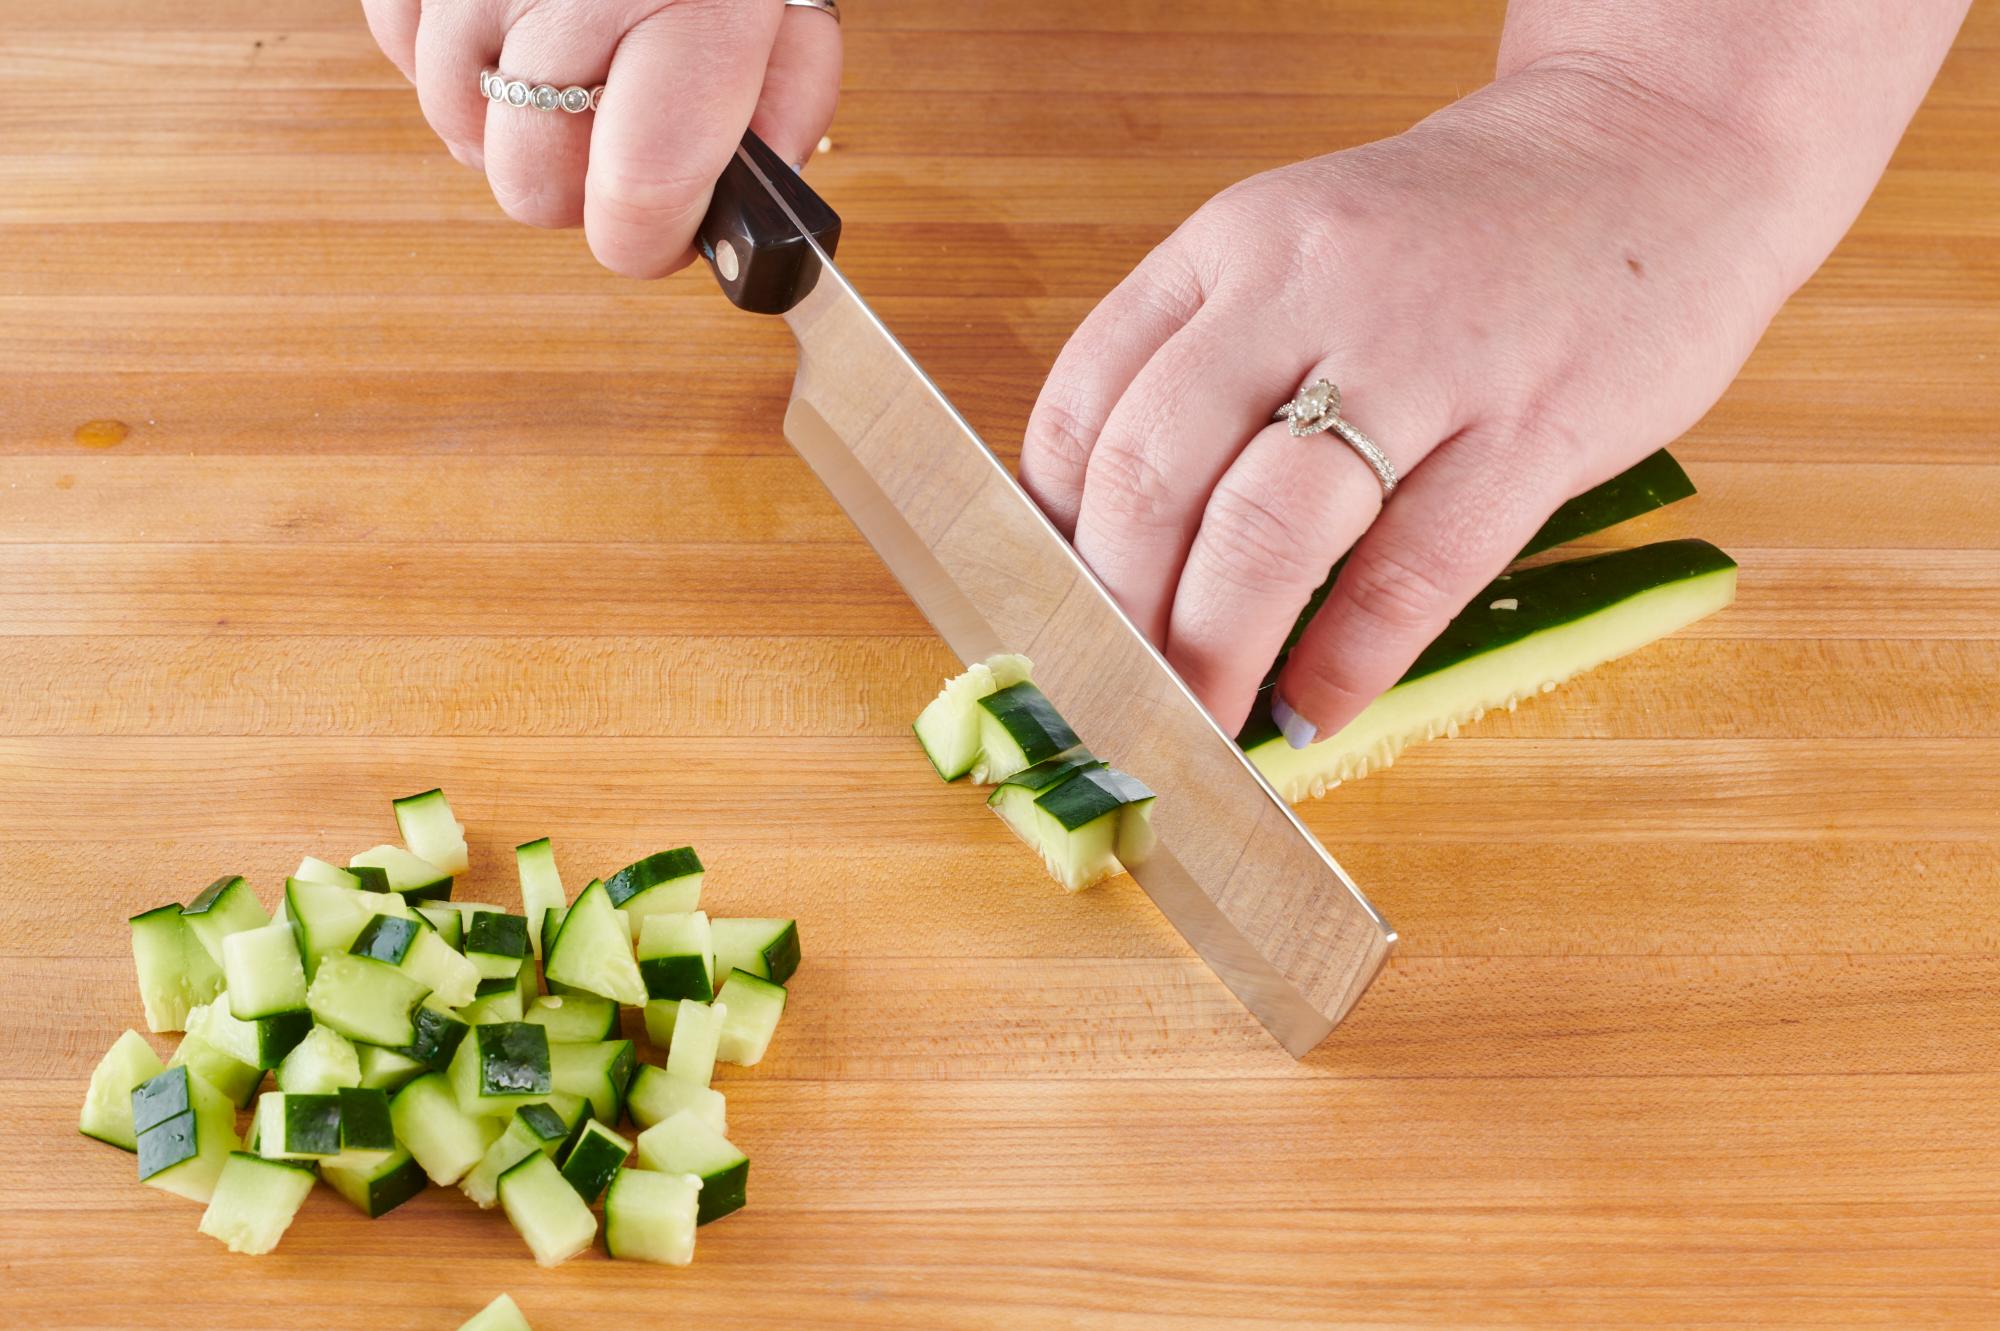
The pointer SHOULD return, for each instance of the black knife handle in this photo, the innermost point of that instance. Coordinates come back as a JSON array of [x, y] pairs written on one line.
[[756, 252]]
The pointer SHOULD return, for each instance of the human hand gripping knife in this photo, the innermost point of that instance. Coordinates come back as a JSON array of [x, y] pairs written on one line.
[[1233, 868]]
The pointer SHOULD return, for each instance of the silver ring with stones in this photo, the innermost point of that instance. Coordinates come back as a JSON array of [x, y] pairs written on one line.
[[830, 8], [575, 99], [1316, 410]]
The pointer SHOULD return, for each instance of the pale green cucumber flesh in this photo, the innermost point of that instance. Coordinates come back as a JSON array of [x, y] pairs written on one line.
[[751, 1007], [431, 832], [254, 1202], [651, 1216], [107, 1105], [546, 1211]]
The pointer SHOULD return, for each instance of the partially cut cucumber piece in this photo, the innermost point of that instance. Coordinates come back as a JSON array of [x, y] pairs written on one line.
[[686, 1144], [1018, 727], [365, 999], [592, 1159], [298, 1127], [948, 727], [107, 1105], [546, 1211], [176, 973], [1085, 825], [657, 1095], [501, 1067], [599, 1072], [541, 885], [592, 951], [254, 1202], [499, 1315], [410, 875], [263, 972], [185, 1130], [574, 1018], [379, 1188], [205, 1051], [677, 956], [445, 1140], [320, 1064], [766, 948], [651, 1217], [697, 1032], [751, 1008], [665, 883], [431, 832], [496, 943], [536, 1127], [1525, 634], [226, 906]]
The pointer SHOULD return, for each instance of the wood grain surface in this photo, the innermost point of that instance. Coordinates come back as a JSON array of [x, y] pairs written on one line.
[[1694, 1018]]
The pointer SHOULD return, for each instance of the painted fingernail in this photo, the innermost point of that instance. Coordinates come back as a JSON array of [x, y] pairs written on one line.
[[798, 168], [1298, 731]]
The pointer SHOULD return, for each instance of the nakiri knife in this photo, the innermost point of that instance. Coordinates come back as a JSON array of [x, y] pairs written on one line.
[[1233, 870]]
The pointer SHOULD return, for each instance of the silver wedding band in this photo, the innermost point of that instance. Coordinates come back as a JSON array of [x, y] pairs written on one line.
[[575, 99], [1316, 410], [826, 7]]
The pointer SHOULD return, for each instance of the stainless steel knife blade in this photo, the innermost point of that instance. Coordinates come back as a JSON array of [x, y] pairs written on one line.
[[1234, 870]]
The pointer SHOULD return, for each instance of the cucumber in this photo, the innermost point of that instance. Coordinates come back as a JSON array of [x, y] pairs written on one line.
[[1525, 634], [545, 1210], [657, 1095], [386, 1069], [205, 1051], [312, 870], [224, 907], [380, 1188], [1018, 727], [1085, 825], [370, 878], [502, 1067], [254, 1202], [599, 1072], [450, 925], [176, 973], [184, 1130], [107, 1105], [325, 918], [431, 832], [320, 1064], [263, 973], [667, 882], [496, 943], [751, 1008], [541, 885], [592, 951], [365, 999], [574, 1018], [501, 1000], [766, 948], [536, 1127], [453, 979], [677, 956], [262, 1044], [410, 875], [686, 1144], [651, 1217], [367, 1129], [589, 1162], [298, 1127], [500, 1315], [386, 938], [697, 1031], [659, 1016], [948, 727], [445, 1140], [439, 1035]]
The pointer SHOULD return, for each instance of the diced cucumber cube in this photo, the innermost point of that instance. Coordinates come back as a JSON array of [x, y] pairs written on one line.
[[593, 952], [599, 1072], [574, 1018], [431, 832], [684, 1144], [496, 943], [367, 1129], [226, 906], [365, 999], [499, 1315], [1085, 824], [107, 1105], [1018, 728], [297, 1127], [386, 1069], [537, 1127], [262, 1043], [766, 948], [444, 918], [501, 1067], [545, 1210], [541, 885], [676, 956], [439, 1035], [697, 1032], [264, 974], [452, 978], [753, 1007], [386, 938], [185, 1131], [659, 1015], [254, 1202], [651, 1217], [657, 1095], [320, 1064], [176, 973], [325, 918], [313, 870], [411, 875], [502, 999], [590, 1161], [667, 882], [948, 727], [206, 1051], [378, 1188], [445, 1140]]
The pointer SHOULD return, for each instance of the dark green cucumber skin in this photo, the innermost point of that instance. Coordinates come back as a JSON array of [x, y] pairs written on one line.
[[439, 1035], [372, 878], [1031, 720], [279, 1034], [172, 907], [312, 1124], [661, 867], [513, 1059], [781, 957], [1090, 795], [438, 891], [160, 1097], [544, 1122], [386, 938], [1550, 596], [1050, 771], [591, 1162], [212, 895], [394, 1186], [1650, 484], [364, 1120], [167, 1143], [676, 977], [497, 934], [723, 1193]]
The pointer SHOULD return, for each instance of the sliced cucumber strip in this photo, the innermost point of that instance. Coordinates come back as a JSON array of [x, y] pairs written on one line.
[[411, 875], [598, 1072], [686, 1144], [297, 1127], [225, 906], [1085, 825], [254, 1202], [380, 1188], [657, 1095], [386, 1069], [502, 1067], [651, 1217], [449, 924], [365, 999], [545, 1210], [185, 1130], [445, 1140], [948, 727], [202, 1051], [766, 948], [1525, 634], [325, 918], [665, 883], [175, 971], [677, 956], [320, 1064], [535, 1127], [263, 972], [697, 1031], [751, 1008], [496, 943], [541, 885], [593, 952], [1018, 728], [107, 1105], [574, 1018], [430, 831], [499, 1315], [590, 1161]]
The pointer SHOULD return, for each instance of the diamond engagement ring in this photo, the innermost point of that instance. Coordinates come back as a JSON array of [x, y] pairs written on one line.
[[497, 87], [1316, 410]]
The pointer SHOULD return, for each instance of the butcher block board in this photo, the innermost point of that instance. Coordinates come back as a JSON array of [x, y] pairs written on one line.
[[1694, 1017]]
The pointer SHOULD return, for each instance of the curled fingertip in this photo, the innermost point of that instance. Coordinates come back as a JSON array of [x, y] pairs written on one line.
[[1297, 730]]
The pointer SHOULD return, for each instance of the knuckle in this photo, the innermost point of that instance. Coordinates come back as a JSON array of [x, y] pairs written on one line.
[[1400, 588], [1255, 543], [544, 202], [1128, 479], [1059, 437], [638, 196]]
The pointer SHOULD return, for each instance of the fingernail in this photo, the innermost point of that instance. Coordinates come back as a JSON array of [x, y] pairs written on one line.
[[1298, 731], [798, 168]]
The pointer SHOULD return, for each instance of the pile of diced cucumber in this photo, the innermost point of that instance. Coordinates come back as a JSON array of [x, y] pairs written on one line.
[[418, 1040], [1087, 820]]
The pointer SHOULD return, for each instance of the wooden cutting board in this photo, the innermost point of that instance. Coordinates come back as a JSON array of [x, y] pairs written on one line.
[[1694, 1017]]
